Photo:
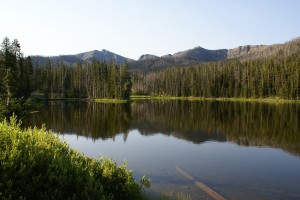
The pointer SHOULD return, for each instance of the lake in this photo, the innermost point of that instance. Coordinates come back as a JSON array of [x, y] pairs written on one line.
[[240, 150]]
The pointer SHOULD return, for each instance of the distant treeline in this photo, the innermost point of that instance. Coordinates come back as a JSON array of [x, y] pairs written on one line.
[[272, 71], [97, 79], [233, 78], [275, 76], [20, 76]]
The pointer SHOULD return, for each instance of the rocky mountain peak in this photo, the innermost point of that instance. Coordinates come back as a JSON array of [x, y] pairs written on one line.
[[148, 57]]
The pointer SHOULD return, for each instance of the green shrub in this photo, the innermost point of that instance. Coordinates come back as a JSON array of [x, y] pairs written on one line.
[[18, 106], [36, 164]]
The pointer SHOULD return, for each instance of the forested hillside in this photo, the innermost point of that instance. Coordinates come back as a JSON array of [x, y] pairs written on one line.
[[72, 60], [273, 74], [260, 73], [97, 79], [251, 79]]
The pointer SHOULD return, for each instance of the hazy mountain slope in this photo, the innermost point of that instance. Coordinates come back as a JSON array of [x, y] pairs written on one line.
[[188, 57], [203, 55], [148, 57], [159, 63], [102, 55], [250, 52], [67, 59], [246, 52], [200, 55]]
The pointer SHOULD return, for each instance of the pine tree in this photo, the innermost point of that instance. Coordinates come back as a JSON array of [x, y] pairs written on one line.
[[125, 81], [10, 74], [14, 78]]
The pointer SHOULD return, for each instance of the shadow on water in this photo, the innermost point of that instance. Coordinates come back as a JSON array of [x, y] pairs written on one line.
[[247, 124]]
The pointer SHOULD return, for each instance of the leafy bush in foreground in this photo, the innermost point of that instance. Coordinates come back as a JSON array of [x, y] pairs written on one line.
[[36, 164]]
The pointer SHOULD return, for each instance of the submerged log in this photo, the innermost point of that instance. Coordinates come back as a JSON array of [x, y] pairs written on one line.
[[201, 185]]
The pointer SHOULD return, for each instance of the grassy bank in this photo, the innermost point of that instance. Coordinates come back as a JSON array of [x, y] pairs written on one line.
[[108, 100], [40, 97], [36, 164], [137, 97], [264, 100], [143, 97], [90, 100]]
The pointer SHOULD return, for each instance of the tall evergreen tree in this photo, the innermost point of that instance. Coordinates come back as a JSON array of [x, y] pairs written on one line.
[[125, 82], [14, 77]]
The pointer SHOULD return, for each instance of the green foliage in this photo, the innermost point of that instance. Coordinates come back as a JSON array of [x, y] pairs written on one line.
[[145, 182], [36, 164], [96, 80], [15, 73], [275, 78], [17, 106]]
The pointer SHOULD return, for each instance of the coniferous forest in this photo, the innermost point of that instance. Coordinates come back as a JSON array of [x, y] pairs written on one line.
[[258, 75], [97, 79], [266, 77], [15, 78], [251, 79]]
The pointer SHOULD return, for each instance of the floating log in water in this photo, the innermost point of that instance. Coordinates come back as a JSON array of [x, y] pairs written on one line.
[[201, 185]]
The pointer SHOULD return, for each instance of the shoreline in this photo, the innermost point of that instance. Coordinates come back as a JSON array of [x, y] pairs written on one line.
[[231, 99], [148, 97]]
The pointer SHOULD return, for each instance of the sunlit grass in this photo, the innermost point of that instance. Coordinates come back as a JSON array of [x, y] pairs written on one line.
[[106, 100], [261, 100]]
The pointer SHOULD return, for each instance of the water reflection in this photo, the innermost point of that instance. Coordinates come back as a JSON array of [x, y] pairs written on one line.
[[93, 120], [254, 124]]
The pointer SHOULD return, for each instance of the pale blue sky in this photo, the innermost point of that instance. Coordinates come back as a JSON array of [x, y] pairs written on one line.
[[134, 27]]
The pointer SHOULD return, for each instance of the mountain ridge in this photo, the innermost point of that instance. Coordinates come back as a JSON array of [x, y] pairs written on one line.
[[103, 55], [187, 57]]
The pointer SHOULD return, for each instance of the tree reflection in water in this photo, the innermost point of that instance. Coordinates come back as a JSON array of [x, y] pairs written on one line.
[[244, 123]]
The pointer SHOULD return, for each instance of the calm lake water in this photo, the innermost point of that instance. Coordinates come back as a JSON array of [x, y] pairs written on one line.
[[240, 150]]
